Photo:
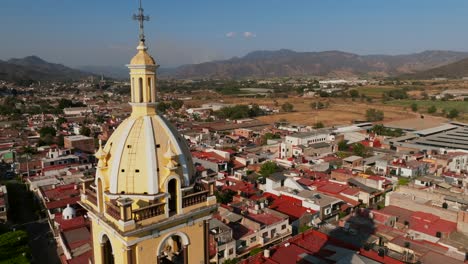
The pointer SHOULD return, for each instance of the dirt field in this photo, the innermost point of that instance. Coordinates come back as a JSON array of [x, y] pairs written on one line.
[[341, 111]]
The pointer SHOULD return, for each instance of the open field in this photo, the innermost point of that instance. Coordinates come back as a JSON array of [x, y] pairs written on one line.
[[341, 111]]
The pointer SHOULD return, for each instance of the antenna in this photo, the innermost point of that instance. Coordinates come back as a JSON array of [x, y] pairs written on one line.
[[141, 18]]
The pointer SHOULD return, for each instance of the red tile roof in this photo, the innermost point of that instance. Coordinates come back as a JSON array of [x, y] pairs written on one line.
[[290, 206], [431, 224]]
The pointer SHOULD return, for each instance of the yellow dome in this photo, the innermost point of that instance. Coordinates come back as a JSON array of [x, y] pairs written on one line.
[[142, 57], [137, 163]]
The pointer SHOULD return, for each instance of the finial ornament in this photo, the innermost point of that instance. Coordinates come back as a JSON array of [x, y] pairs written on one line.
[[141, 18]]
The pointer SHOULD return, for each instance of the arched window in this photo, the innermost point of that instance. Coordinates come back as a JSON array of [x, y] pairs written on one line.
[[174, 249], [172, 190], [140, 90], [133, 90], [150, 90]]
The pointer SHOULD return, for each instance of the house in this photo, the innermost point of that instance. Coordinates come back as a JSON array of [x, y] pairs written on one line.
[[254, 226], [352, 162], [222, 241]]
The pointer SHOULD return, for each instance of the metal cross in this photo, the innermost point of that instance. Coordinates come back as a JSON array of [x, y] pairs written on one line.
[[141, 18]]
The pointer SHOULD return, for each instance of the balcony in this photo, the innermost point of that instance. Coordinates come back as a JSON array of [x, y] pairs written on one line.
[[148, 212], [194, 198], [113, 210], [91, 196]]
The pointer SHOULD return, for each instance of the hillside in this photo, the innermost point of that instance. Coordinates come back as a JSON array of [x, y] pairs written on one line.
[[35, 68], [334, 64], [457, 69]]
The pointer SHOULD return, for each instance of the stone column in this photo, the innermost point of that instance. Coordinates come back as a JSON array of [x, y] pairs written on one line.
[[103, 253], [129, 255], [185, 254], [206, 236]]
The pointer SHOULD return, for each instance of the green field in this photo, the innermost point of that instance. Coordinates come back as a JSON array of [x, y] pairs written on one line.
[[423, 105], [375, 91]]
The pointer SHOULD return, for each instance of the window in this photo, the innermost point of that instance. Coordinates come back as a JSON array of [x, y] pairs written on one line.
[[231, 251], [140, 90], [265, 234], [283, 227], [327, 211], [253, 239]]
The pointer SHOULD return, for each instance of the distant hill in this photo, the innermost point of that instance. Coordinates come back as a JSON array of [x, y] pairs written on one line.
[[337, 64], [454, 70], [115, 72], [35, 68]]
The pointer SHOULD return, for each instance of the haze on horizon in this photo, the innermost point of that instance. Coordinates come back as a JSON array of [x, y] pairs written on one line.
[[89, 32]]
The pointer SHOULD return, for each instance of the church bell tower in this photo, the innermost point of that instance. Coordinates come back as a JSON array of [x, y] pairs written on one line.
[[145, 203]]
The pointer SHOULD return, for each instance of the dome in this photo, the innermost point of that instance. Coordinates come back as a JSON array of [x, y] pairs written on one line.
[[135, 161], [142, 57], [68, 213]]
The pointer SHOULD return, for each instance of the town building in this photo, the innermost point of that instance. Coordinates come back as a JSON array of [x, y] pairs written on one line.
[[79, 142]]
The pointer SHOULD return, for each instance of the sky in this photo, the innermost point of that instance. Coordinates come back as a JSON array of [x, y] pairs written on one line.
[[101, 32]]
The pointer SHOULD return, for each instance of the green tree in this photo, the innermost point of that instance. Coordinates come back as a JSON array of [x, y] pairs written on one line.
[[359, 149], [319, 125], [453, 113], [287, 107], [162, 107], [414, 107], [14, 247], [177, 104], [44, 131], [268, 168], [224, 197], [231, 261], [343, 145], [60, 121], [432, 109], [373, 115], [85, 131], [354, 93]]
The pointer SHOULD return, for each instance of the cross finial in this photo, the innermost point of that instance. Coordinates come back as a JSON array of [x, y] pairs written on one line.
[[141, 18]]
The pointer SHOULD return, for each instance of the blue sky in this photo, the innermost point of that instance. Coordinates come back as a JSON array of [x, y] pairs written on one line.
[[100, 32]]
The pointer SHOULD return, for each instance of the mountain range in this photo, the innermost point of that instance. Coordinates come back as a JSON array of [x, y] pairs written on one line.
[[333, 64], [266, 64], [35, 68], [455, 70]]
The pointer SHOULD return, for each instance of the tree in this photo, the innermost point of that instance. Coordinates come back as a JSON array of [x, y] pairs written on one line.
[[85, 131], [319, 125], [359, 149], [373, 115], [60, 121], [177, 104], [268, 168], [44, 131], [414, 107], [343, 145], [224, 197], [162, 107], [14, 247], [317, 105], [453, 113], [231, 261], [353, 93], [287, 107], [432, 109]]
